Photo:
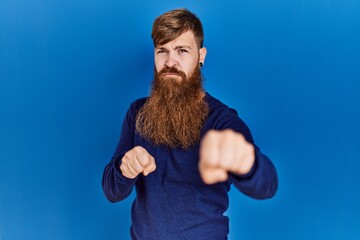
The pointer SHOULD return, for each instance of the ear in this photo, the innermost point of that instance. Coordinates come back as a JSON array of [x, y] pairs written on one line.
[[202, 52]]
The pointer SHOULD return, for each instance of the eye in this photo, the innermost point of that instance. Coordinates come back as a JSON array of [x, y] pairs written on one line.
[[161, 51], [182, 50]]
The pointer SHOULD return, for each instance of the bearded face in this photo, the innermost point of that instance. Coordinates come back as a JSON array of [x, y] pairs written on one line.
[[176, 110]]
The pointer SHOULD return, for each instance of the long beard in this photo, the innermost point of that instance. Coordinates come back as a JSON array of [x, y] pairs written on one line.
[[175, 112]]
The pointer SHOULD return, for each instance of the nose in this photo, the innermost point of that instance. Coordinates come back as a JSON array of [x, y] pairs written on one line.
[[171, 60]]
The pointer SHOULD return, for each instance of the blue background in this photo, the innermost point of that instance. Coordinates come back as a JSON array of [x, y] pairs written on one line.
[[70, 69]]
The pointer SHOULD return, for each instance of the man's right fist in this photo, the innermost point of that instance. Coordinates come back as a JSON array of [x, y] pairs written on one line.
[[136, 161]]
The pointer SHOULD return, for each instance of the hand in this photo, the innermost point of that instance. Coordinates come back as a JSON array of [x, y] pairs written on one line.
[[222, 152], [136, 161]]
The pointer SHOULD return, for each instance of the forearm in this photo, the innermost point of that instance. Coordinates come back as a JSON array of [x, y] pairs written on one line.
[[262, 182], [116, 187]]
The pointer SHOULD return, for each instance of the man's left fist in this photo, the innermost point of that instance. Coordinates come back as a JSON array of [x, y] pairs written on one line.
[[222, 152]]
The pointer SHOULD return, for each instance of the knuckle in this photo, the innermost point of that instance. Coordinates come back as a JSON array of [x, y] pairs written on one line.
[[128, 155], [144, 161], [124, 161], [250, 147], [241, 140], [228, 132], [209, 161], [211, 134], [139, 149]]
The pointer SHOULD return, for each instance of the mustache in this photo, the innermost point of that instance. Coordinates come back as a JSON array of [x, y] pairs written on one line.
[[171, 70]]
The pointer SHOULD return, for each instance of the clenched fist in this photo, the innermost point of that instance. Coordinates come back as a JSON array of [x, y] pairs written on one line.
[[222, 152], [136, 161]]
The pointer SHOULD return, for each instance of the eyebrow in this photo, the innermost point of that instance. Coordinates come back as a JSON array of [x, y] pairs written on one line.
[[176, 48]]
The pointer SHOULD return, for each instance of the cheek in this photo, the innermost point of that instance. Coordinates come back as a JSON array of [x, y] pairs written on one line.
[[159, 59], [190, 67], [159, 65]]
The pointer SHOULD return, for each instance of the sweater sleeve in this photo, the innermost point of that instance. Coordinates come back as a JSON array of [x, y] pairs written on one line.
[[262, 180], [117, 187]]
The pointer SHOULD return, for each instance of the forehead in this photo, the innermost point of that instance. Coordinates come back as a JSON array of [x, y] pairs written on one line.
[[185, 39]]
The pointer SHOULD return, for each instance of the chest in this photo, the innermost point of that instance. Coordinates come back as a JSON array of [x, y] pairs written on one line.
[[173, 164]]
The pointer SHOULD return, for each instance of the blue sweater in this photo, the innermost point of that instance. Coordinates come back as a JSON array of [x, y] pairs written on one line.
[[173, 202]]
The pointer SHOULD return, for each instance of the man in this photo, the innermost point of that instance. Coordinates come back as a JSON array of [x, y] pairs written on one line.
[[181, 148]]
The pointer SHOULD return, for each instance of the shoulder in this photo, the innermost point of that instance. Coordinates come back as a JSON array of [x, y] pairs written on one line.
[[223, 117], [134, 107], [137, 104], [217, 107]]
